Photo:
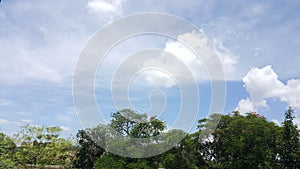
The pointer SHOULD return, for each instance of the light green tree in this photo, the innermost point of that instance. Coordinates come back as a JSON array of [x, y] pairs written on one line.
[[42, 146]]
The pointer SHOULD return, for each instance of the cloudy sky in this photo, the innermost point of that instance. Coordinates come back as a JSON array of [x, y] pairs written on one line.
[[256, 42]]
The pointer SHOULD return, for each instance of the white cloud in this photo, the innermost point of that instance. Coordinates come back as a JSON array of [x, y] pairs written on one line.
[[276, 122], [291, 93], [4, 121], [203, 68], [228, 60], [297, 122], [246, 106], [47, 48], [65, 128], [106, 8], [157, 78], [263, 84]]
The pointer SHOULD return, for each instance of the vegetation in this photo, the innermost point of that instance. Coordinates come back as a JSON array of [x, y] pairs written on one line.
[[37, 147], [238, 141]]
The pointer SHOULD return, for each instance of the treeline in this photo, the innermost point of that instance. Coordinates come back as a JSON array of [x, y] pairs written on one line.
[[221, 141]]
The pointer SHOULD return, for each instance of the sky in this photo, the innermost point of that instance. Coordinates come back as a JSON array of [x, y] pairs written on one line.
[[256, 43]]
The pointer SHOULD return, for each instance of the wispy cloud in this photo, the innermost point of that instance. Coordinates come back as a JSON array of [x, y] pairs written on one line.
[[27, 121], [4, 121], [6, 102], [44, 43], [65, 128], [106, 8], [22, 113]]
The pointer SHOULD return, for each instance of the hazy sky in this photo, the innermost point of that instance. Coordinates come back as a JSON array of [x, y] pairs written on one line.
[[257, 43]]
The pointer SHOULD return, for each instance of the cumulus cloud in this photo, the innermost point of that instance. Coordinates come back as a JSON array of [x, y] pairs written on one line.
[[106, 8], [263, 84], [245, 106], [212, 55]]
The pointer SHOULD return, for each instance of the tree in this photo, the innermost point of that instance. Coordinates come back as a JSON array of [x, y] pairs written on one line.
[[90, 146], [7, 152], [132, 124], [240, 142], [290, 153], [222, 141], [109, 161], [135, 133], [42, 146], [117, 137]]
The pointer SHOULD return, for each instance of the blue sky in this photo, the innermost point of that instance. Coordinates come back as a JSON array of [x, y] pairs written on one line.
[[257, 43]]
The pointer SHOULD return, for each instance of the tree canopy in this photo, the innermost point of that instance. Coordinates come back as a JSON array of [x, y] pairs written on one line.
[[220, 141]]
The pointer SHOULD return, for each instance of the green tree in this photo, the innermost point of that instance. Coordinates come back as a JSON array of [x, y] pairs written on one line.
[[136, 133], [120, 135], [90, 146], [290, 148], [241, 142], [42, 146], [124, 121], [7, 152], [109, 161]]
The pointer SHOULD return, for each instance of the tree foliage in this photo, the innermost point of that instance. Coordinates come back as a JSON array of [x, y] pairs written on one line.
[[241, 142], [35, 146], [88, 150], [290, 146], [7, 150], [220, 141]]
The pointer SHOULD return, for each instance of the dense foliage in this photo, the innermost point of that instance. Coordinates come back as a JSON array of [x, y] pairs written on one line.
[[37, 147], [236, 141]]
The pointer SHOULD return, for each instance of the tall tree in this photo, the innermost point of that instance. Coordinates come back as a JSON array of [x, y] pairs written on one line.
[[290, 153], [127, 125]]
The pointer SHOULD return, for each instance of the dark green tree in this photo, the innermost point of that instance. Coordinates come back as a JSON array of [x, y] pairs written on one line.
[[290, 153], [109, 161], [90, 146]]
